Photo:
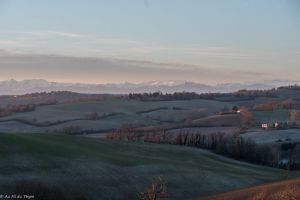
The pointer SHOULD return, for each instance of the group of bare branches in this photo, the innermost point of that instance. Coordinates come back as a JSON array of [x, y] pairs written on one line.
[[294, 114], [10, 109], [155, 191], [283, 104]]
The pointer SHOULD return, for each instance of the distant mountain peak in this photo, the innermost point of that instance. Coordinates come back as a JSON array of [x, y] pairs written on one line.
[[40, 85]]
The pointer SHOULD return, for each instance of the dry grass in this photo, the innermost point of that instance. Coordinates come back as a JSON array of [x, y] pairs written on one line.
[[284, 190], [260, 195], [290, 192]]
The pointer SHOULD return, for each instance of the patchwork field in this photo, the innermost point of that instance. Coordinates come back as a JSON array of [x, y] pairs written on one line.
[[112, 114], [75, 166]]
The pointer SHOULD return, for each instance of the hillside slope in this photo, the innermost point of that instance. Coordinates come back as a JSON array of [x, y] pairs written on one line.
[[99, 169], [278, 190]]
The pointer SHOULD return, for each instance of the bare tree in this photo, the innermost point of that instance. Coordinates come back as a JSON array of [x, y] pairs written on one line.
[[246, 118], [157, 190], [294, 117]]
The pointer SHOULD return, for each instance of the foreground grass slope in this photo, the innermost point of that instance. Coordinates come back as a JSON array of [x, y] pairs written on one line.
[[99, 169], [283, 190]]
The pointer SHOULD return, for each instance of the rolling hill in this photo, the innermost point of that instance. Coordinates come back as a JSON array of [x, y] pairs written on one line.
[[84, 168], [115, 113]]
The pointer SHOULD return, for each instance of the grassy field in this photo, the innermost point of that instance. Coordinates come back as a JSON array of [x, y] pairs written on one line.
[[218, 120], [99, 169], [271, 137], [172, 115], [258, 100], [280, 115], [206, 130], [116, 113]]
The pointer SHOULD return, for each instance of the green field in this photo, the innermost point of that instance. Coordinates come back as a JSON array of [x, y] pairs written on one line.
[[99, 169]]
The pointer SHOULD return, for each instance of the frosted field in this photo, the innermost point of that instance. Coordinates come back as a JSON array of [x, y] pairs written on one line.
[[263, 137], [113, 114]]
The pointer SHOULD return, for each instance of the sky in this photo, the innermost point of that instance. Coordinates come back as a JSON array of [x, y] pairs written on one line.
[[106, 41]]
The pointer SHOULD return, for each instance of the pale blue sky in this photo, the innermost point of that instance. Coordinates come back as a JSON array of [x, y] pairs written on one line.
[[238, 35]]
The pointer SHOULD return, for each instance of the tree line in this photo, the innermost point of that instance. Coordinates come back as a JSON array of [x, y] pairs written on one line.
[[284, 104], [9, 109], [283, 155], [159, 96]]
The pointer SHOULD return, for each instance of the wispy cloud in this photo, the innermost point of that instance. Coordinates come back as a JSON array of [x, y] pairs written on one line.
[[149, 49], [116, 41], [84, 45], [123, 47], [220, 52], [9, 42], [13, 43], [84, 37], [251, 73], [48, 33], [95, 70]]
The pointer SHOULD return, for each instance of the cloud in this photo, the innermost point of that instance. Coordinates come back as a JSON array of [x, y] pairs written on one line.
[[50, 42], [10, 43], [218, 52], [116, 41], [167, 65], [149, 49], [221, 52], [13, 46], [3, 52], [125, 46], [79, 44], [96, 70], [250, 73], [47, 33], [84, 37]]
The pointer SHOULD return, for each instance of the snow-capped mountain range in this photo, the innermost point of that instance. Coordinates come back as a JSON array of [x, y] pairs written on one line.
[[14, 87]]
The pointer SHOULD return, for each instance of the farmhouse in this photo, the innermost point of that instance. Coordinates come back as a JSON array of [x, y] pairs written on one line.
[[275, 125], [230, 112], [264, 126]]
